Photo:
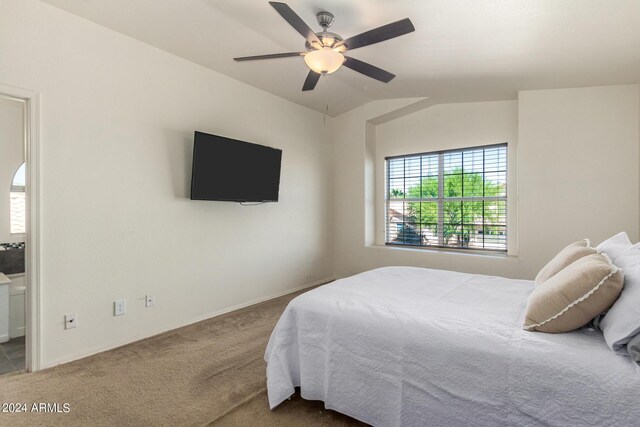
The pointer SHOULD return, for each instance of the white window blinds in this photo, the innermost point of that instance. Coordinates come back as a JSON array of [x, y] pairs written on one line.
[[449, 199]]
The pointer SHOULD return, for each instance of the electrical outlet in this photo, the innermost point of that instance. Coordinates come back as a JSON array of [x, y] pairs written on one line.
[[149, 301], [71, 321], [119, 307]]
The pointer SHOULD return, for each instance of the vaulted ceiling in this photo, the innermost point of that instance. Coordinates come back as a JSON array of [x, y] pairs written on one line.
[[462, 50]]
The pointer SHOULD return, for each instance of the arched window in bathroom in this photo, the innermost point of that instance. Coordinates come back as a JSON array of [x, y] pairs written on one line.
[[18, 202]]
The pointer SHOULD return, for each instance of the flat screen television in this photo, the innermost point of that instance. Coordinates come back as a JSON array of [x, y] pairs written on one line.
[[226, 169]]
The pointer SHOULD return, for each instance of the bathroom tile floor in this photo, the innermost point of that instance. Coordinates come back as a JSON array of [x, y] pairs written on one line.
[[12, 355]]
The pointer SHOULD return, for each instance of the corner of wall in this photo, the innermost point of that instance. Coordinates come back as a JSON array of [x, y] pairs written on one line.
[[370, 201]]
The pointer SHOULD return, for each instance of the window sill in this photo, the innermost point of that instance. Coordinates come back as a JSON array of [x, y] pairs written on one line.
[[447, 251]]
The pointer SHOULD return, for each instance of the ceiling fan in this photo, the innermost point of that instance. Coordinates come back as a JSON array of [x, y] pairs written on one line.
[[325, 50]]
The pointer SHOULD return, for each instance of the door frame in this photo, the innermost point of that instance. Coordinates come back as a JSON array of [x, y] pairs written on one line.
[[33, 316]]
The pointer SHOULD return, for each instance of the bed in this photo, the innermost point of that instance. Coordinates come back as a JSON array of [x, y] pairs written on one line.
[[414, 346]]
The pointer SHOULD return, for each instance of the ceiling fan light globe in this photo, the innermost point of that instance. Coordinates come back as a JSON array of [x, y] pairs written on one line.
[[324, 61]]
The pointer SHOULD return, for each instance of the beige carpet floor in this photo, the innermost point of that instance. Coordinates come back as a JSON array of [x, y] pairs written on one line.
[[208, 373]]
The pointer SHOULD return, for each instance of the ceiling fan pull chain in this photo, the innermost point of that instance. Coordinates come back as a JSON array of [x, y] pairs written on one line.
[[326, 100]]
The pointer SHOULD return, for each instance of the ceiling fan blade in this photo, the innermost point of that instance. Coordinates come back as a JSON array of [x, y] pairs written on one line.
[[270, 56], [295, 21], [380, 34], [311, 80], [368, 70]]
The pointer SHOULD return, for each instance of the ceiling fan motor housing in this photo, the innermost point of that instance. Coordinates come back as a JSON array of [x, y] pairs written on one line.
[[328, 39]]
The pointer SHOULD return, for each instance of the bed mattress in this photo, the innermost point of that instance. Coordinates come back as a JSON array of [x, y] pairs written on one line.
[[414, 346]]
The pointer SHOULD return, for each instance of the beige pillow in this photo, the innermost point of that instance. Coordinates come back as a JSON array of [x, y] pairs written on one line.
[[574, 296], [565, 257]]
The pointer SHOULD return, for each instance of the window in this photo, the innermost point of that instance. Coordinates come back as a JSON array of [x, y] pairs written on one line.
[[17, 202], [448, 199]]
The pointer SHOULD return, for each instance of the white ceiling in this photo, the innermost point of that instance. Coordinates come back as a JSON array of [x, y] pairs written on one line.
[[461, 49]]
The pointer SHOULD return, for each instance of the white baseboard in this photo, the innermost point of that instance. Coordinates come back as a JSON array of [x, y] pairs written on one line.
[[129, 340], [17, 333], [4, 338], [255, 301]]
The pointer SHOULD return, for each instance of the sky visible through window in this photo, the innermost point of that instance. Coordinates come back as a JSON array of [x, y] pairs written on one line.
[[19, 178]]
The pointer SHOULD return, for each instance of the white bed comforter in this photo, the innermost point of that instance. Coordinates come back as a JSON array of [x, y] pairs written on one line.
[[420, 347]]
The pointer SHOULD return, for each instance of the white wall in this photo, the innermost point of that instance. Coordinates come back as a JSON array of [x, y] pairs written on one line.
[[117, 125], [11, 157], [576, 165], [439, 128], [578, 168], [432, 127]]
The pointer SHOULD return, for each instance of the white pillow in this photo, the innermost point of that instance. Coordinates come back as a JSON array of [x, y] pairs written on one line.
[[622, 322], [615, 246], [634, 349]]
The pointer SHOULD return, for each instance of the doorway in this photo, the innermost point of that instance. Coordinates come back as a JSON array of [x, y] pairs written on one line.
[[19, 260]]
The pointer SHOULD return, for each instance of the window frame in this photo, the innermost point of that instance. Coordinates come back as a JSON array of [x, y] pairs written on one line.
[[441, 199]]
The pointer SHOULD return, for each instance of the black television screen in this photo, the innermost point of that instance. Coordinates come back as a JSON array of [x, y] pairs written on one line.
[[231, 170]]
